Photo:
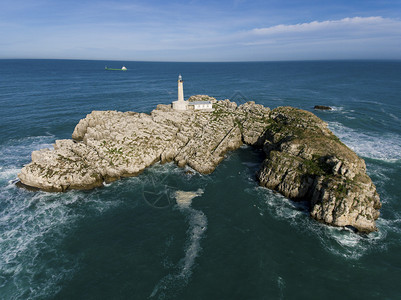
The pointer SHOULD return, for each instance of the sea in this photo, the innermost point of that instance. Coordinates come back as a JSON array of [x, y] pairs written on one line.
[[171, 233]]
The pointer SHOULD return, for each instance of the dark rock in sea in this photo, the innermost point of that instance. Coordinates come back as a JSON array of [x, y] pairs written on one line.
[[322, 107], [304, 159]]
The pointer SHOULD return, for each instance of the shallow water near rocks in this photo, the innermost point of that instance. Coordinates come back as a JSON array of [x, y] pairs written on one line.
[[172, 233]]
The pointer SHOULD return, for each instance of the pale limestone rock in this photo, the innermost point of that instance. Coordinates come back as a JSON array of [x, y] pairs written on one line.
[[304, 160], [196, 98]]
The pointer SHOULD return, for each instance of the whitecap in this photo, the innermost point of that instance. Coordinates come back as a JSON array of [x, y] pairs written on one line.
[[337, 241], [281, 206], [24, 229], [15, 153], [8, 173], [394, 117], [27, 222], [337, 108], [386, 147]]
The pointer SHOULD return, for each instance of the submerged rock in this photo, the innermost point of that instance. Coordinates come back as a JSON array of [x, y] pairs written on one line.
[[304, 160]]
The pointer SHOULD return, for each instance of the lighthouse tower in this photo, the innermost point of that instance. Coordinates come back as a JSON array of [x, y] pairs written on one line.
[[180, 104], [180, 88]]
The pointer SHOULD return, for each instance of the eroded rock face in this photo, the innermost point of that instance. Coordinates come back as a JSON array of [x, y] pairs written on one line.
[[304, 160], [108, 145]]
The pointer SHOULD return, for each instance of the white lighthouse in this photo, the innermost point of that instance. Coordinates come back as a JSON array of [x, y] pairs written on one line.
[[180, 104], [180, 88]]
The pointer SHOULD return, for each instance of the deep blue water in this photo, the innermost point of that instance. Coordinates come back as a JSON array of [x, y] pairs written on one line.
[[131, 240]]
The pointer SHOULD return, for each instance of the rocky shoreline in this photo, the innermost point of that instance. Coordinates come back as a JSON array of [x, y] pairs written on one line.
[[304, 159]]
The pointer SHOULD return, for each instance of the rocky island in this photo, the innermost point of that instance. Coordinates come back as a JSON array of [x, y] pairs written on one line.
[[304, 160]]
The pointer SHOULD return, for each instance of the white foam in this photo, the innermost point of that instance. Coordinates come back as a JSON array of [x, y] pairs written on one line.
[[346, 243], [27, 221], [280, 206], [381, 175], [337, 241], [16, 148], [9, 173], [25, 225], [337, 108], [22, 226], [197, 226], [392, 225], [385, 147], [184, 199], [281, 286], [15, 153], [394, 117]]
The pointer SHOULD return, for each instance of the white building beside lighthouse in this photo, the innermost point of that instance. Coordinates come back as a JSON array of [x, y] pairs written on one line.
[[182, 105]]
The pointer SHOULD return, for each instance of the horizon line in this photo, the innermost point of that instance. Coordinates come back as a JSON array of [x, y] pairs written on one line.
[[236, 61]]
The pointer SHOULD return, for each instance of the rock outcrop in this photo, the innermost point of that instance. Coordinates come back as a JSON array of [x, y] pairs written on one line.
[[304, 160], [202, 98], [322, 107]]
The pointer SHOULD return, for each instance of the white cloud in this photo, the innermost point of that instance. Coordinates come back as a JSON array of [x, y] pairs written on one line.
[[137, 39], [347, 24], [357, 37]]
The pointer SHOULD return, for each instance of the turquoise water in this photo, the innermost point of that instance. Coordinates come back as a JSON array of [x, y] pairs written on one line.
[[132, 240]]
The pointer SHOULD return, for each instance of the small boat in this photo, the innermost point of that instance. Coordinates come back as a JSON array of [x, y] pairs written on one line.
[[111, 69]]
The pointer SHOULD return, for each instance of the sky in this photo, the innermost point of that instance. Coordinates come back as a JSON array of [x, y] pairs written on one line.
[[192, 30]]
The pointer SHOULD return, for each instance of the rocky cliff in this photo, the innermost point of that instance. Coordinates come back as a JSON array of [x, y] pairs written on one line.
[[304, 160]]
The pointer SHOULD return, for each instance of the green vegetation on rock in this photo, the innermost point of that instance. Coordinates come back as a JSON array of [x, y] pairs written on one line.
[[304, 159]]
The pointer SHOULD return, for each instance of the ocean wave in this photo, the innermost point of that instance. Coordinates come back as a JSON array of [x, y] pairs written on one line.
[[386, 147], [17, 152], [26, 223], [14, 153], [390, 225], [394, 117], [338, 241], [381, 175], [29, 143], [32, 225], [337, 108], [9, 173]]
